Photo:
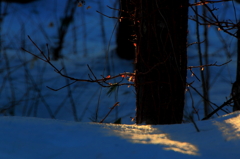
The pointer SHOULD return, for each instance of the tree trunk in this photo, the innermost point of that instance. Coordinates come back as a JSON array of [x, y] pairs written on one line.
[[161, 60], [65, 22], [236, 85], [125, 48]]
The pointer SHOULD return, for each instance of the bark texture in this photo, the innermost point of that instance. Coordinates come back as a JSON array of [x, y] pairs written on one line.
[[236, 85], [125, 48], [161, 60]]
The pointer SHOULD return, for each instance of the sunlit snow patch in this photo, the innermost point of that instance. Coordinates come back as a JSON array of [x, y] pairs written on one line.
[[230, 127], [146, 134]]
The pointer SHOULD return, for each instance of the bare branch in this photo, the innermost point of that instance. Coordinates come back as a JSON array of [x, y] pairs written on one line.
[[207, 2], [202, 66], [94, 80], [61, 87], [107, 15]]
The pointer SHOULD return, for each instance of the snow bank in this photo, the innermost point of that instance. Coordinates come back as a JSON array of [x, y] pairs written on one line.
[[28, 138]]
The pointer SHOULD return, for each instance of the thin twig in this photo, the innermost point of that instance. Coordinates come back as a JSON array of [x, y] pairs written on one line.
[[107, 15], [202, 66], [216, 110], [116, 104]]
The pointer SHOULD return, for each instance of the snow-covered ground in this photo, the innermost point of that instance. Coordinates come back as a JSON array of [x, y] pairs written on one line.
[[35, 138]]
